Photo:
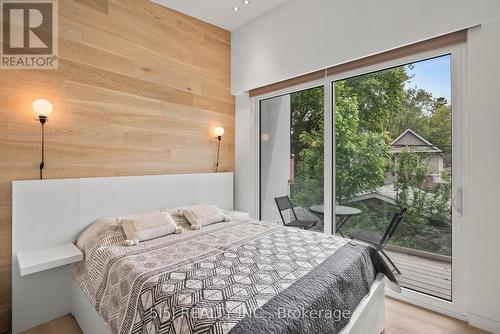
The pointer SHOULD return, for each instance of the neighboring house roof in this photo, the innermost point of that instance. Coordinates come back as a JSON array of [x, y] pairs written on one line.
[[410, 138]]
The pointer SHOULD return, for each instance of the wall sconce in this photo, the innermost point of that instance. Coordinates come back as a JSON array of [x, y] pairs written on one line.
[[42, 108], [219, 131]]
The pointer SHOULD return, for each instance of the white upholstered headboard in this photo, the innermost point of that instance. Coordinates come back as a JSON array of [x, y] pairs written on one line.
[[53, 212]]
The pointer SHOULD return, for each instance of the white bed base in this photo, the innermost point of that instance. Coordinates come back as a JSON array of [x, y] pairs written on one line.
[[368, 318], [53, 212], [85, 313]]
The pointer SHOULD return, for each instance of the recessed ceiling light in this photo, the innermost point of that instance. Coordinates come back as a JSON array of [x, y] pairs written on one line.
[[246, 2], [235, 9]]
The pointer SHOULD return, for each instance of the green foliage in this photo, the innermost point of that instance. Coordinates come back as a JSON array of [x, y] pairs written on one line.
[[380, 96], [370, 112], [425, 115], [307, 146], [308, 187], [410, 173], [414, 115], [307, 114], [439, 204], [439, 130], [426, 202], [361, 156], [376, 215]]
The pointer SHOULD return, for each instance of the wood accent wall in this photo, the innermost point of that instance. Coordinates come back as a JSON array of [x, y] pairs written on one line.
[[139, 90]]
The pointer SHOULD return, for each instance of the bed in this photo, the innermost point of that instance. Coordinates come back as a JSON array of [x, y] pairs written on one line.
[[240, 276]]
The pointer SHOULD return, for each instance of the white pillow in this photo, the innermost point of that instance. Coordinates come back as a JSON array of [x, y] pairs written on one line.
[[102, 227], [149, 226], [203, 214], [177, 214]]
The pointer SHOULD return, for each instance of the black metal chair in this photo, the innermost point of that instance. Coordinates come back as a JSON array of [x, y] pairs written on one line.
[[284, 204], [379, 241]]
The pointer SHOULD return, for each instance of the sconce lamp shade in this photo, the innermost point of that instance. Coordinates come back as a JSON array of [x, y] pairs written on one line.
[[42, 107], [219, 131]]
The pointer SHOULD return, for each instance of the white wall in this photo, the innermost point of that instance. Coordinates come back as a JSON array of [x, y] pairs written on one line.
[[244, 177], [484, 225], [302, 36], [305, 35]]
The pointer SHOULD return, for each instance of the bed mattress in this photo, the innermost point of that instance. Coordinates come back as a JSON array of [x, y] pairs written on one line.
[[241, 276]]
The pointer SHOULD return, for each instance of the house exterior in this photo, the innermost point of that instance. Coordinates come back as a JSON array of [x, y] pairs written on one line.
[[410, 139]]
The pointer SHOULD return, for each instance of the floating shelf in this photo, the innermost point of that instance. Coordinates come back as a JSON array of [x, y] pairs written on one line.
[[47, 258]]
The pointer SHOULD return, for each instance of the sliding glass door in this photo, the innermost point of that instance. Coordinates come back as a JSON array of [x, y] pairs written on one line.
[[393, 134], [291, 155], [400, 142], [367, 143]]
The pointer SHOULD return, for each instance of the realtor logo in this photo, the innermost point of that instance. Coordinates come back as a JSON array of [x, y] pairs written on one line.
[[29, 34]]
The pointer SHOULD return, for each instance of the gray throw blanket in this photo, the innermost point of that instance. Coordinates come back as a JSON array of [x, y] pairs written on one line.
[[323, 300]]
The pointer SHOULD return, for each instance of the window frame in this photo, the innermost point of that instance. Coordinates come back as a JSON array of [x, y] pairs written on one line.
[[461, 169]]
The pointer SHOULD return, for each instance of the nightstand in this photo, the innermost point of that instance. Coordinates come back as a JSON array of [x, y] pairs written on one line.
[[47, 258]]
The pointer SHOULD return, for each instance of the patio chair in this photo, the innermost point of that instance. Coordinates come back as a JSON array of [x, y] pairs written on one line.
[[379, 241], [285, 204]]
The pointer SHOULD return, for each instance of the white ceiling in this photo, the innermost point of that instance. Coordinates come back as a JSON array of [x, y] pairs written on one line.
[[220, 12]]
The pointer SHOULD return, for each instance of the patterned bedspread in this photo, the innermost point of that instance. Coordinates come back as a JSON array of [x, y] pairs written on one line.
[[204, 281]]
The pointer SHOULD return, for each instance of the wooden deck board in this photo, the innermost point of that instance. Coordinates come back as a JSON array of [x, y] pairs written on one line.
[[424, 275], [429, 276]]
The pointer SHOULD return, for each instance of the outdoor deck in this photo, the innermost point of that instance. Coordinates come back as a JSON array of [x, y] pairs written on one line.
[[419, 273], [422, 274]]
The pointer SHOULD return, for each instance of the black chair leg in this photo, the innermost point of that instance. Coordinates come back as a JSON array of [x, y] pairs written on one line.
[[390, 261], [339, 225], [309, 227]]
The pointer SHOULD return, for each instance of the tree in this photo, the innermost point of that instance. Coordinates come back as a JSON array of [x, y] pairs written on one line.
[[380, 97], [308, 187], [371, 111], [440, 123], [362, 160], [424, 201], [307, 116], [414, 114], [307, 127], [361, 156]]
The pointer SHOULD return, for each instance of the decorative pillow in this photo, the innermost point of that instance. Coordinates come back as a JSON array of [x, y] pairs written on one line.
[[103, 227], [203, 214], [97, 231], [177, 214], [149, 226]]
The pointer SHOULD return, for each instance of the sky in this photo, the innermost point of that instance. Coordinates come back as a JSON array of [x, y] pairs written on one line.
[[433, 75]]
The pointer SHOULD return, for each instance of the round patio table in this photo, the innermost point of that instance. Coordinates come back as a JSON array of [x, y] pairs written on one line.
[[342, 214]]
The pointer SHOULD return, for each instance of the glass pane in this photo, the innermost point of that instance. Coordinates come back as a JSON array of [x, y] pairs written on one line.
[[274, 154], [291, 156], [393, 133], [307, 184]]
